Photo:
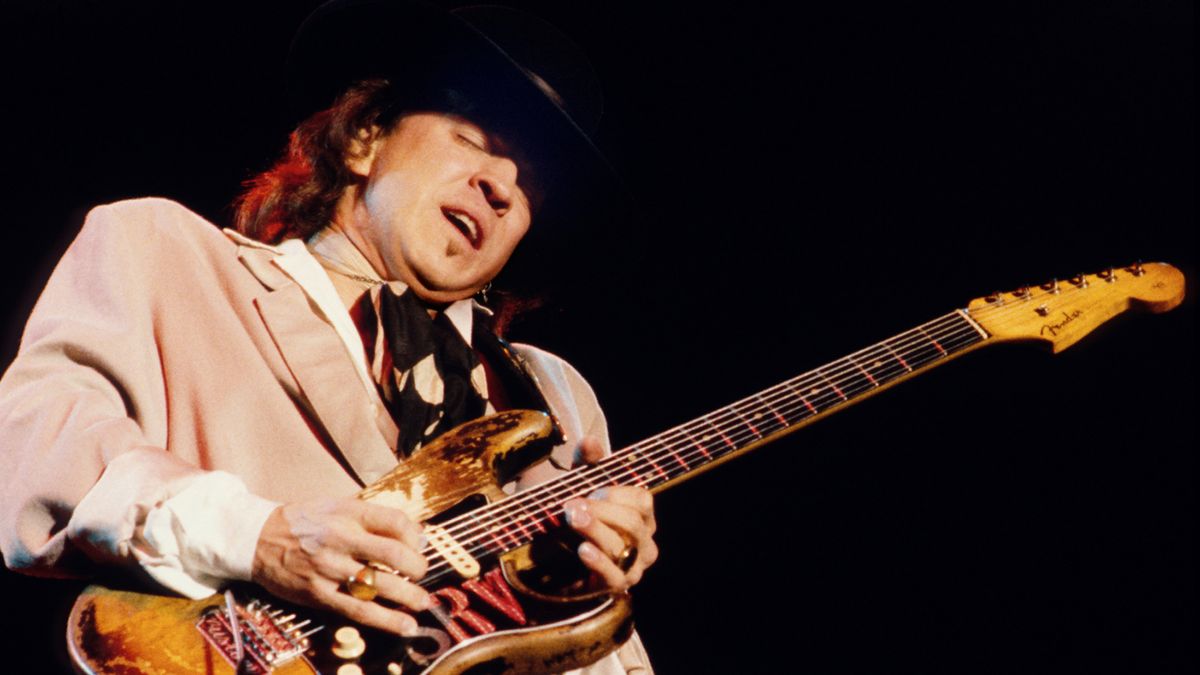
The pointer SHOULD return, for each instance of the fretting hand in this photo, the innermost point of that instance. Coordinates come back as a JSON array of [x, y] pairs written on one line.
[[618, 522]]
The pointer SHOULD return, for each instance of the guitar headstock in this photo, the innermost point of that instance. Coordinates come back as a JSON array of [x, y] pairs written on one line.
[[1062, 312]]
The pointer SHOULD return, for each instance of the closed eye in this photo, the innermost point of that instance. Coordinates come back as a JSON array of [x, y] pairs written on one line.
[[476, 143]]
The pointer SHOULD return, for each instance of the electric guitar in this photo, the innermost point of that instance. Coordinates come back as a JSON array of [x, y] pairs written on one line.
[[510, 596]]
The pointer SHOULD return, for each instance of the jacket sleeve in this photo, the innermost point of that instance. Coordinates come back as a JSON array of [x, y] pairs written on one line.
[[84, 470]]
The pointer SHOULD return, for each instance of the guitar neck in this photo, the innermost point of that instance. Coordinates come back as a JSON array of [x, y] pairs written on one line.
[[1058, 314], [696, 446], [690, 448]]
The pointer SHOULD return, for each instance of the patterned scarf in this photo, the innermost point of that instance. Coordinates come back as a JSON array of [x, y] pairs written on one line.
[[431, 380]]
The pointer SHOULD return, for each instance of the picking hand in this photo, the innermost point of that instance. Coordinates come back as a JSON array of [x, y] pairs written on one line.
[[308, 550]]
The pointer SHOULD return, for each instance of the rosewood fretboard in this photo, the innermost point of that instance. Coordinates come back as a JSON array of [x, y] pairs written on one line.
[[681, 452]]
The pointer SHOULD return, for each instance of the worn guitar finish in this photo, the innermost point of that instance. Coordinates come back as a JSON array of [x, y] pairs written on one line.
[[510, 601]]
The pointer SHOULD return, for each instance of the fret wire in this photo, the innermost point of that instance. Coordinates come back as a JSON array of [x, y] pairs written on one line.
[[654, 465], [675, 454], [783, 421], [745, 422]]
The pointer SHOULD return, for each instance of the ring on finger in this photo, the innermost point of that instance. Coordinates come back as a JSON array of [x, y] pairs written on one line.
[[626, 557], [362, 584]]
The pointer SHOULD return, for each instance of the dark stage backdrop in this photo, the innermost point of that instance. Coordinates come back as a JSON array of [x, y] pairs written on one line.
[[813, 180]]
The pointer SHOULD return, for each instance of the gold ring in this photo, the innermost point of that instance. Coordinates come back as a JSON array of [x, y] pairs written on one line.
[[362, 584], [626, 557]]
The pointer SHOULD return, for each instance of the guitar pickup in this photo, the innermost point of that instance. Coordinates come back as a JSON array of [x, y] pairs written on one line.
[[453, 552]]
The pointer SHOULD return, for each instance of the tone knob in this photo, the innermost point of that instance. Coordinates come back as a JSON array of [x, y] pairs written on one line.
[[349, 669], [348, 643]]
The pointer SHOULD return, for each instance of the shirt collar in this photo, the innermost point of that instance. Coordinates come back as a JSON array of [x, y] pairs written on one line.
[[331, 249], [334, 251]]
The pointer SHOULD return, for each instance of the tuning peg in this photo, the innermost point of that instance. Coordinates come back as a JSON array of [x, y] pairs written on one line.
[[1108, 275], [1136, 269], [1079, 280], [1051, 286], [994, 298], [1021, 293]]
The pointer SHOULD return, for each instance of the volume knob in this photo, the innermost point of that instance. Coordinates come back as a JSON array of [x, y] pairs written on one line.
[[348, 643]]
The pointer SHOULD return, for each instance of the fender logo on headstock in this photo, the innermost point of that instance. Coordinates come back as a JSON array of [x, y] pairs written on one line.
[[1054, 328]]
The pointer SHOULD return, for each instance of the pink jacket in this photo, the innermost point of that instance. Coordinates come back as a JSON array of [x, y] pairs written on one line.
[[164, 342]]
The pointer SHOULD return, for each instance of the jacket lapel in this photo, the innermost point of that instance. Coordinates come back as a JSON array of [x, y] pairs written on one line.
[[333, 390]]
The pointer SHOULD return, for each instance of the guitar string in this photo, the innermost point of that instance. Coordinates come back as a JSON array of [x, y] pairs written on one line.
[[666, 450], [779, 392], [606, 473], [535, 499], [771, 395], [596, 476], [606, 470]]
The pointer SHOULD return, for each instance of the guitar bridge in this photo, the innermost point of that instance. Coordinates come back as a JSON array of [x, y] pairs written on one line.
[[268, 637]]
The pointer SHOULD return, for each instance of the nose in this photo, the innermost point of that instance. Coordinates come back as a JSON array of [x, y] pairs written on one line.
[[497, 181]]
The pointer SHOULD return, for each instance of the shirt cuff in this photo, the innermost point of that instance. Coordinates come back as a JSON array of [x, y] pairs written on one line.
[[203, 536]]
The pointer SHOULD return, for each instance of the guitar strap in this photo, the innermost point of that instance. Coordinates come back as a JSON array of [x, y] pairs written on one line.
[[511, 383]]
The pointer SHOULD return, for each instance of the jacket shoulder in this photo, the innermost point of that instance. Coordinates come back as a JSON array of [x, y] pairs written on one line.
[[556, 374], [149, 221], [544, 361]]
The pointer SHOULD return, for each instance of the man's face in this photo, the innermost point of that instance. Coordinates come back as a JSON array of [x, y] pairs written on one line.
[[442, 209]]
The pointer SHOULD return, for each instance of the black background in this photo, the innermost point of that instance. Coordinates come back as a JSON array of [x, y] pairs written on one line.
[[814, 179]]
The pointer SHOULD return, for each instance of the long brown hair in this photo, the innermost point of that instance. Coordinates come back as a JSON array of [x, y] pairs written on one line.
[[296, 197]]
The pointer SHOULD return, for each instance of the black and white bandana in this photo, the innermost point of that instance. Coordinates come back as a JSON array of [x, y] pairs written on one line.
[[429, 377], [427, 373]]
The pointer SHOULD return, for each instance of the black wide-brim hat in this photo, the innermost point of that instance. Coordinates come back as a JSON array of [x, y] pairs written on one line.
[[519, 74]]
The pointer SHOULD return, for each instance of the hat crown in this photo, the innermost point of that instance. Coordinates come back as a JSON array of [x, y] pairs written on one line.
[[417, 46], [551, 59]]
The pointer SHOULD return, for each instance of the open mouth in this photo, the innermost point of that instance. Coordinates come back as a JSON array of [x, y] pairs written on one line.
[[465, 224]]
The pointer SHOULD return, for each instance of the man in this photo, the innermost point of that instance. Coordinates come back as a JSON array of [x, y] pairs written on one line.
[[204, 405]]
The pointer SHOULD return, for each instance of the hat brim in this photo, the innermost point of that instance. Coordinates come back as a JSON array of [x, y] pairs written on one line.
[[422, 48]]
